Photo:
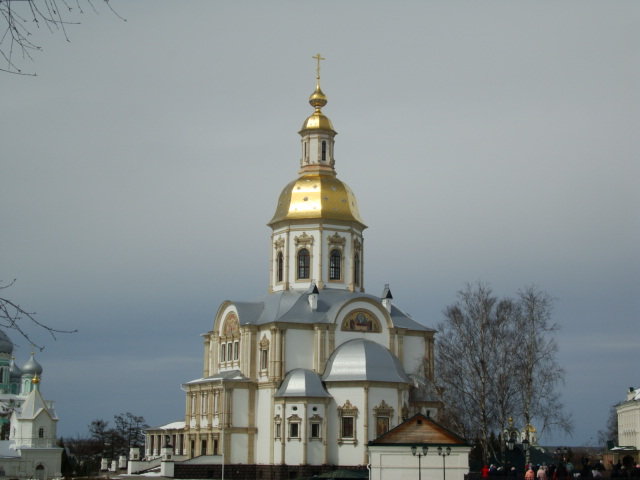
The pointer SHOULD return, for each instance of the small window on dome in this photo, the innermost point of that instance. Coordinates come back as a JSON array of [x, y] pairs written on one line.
[[324, 151], [356, 269]]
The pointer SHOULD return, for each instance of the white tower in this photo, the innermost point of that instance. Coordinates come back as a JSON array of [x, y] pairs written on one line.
[[317, 230]]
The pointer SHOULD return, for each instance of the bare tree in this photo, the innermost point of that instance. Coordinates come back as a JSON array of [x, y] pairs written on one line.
[[19, 17], [537, 370], [469, 354], [14, 317], [610, 433], [496, 359], [131, 428]]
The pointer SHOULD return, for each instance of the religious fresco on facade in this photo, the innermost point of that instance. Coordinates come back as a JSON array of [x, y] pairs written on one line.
[[231, 325], [361, 321]]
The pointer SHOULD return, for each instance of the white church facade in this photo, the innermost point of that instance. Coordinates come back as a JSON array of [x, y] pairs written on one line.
[[315, 370], [27, 421]]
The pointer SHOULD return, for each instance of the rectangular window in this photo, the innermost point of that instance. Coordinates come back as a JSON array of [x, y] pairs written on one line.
[[294, 430], [347, 427], [382, 425], [278, 430], [315, 430], [236, 350], [264, 356], [223, 350]]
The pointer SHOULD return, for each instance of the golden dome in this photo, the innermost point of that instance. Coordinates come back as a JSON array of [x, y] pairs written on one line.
[[317, 120], [317, 196]]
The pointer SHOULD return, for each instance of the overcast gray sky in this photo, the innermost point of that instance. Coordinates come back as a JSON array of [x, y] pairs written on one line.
[[485, 141]]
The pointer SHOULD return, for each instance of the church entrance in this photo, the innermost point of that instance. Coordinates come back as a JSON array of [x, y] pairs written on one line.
[[40, 472]]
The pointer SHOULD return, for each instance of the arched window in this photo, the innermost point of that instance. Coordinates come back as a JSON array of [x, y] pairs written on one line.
[[41, 432], [324, 151], [303, 263], [356, 269], [280, 266], [335, 259]]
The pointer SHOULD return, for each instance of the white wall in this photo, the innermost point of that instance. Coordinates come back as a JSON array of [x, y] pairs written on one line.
[[398, 463]]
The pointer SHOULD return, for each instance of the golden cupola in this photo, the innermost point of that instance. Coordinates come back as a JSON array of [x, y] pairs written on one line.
[[317, 193]]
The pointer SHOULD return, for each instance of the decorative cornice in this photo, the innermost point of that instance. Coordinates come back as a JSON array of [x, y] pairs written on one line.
[[303, 239], [336, 239]]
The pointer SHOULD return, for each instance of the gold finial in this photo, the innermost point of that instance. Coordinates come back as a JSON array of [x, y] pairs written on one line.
[[35, 380], [318, 98], [318, 57]]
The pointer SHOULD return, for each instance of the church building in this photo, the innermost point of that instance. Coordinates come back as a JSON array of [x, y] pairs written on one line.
[[316, 369], [27, 421]]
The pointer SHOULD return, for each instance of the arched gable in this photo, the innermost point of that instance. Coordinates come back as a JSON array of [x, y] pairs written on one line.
[[225, 308], [362, 317]]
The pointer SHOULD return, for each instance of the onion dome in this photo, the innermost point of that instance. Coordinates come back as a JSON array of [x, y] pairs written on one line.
[[6, 345], [301, 382], [14, 370], [317, 196], [32, 367], [317, 120], [364, 360]]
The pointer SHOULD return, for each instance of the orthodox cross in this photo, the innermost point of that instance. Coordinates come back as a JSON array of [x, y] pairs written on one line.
[[318, 58]]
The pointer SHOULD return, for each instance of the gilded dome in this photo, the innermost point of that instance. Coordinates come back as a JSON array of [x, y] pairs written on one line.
[[317, 120], [317, 196]]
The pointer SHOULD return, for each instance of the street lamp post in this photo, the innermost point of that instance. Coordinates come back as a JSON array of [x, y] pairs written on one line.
[[525, 447], [444, 452], [416, 453]]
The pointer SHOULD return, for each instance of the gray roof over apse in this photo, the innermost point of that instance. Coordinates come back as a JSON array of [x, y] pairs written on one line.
[[292, 306], [301, 382], [360, 359]]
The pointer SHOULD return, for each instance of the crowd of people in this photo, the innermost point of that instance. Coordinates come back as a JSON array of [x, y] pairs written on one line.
[[564, 470]]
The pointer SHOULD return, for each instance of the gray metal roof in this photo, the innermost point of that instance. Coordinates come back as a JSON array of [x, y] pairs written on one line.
[[235, 375], [292, 306], [301, 382], [360, 359]]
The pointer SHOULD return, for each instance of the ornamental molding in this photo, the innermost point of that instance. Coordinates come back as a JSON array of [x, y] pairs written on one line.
[[294, 418], [336, 239], [357, 245], [264, 342], [279, 244], [348, 409], [230, 327], [383, 410], [304, 239], [316, 418]]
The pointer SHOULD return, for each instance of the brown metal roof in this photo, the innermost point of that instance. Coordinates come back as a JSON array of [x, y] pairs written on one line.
[[419, 430]]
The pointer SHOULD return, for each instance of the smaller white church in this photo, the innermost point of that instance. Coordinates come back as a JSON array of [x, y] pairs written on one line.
[[27, 421]]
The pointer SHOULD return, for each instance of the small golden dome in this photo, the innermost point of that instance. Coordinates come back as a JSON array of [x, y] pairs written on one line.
[[317, 120], [318, 99], [317, 196]]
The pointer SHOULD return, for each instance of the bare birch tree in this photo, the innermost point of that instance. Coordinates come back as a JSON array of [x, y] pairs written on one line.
[[496, 359], [537, 370], [469, 353]]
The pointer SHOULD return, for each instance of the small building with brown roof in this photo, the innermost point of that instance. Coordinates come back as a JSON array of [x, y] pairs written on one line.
[[419, 448]]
